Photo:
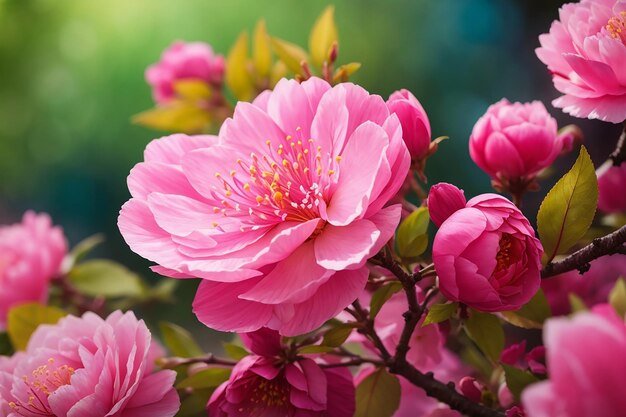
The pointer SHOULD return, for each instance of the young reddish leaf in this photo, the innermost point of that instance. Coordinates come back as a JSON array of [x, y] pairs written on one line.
[[567, 211]]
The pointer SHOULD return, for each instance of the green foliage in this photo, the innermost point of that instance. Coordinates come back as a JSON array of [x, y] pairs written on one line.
[[234, 351], [440, 312], [382, 295], [517, 379], [315, 349], [486, 331], [576, 303], [179, 341], [617, 297], [378, 395], [237, 77], [532, 314], [262, 50], [206, 378], [567, 211], [101, 277], [85, 246], [323, 35], [194, 405], [412, 236], [24, 319], [6, 348], [291, 54], [337, 335]]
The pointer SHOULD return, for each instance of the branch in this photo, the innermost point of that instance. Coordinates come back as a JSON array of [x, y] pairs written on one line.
[[362, 315], [619, 154], [173, 362], [352, 362], [613, 243]]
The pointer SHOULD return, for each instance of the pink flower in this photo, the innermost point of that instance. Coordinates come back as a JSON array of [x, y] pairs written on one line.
[[443, 200], [91, 367], [586, 53], [31, 253], [184, 61], [413, 401], [280, 214], [486, 255], [7, 367], [414, 121], [612, 189], [514, 142], [593, 287], [265, 384], [586, 359]]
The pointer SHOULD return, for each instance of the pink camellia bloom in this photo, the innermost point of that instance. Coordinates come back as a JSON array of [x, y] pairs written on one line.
[[612, 189], [486, 255], [513, 142], [593, 287], [90, 367], [7, 367], [280, 213], [586, 358], [586, 53], [265, 384], [443, 200], [31, 253], [184, 61], [414, 121]]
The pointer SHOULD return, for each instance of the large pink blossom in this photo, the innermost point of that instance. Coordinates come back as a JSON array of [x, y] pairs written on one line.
[[90, 367], [586, 359], [593, 287], [31, 253], [515, 141], [280, 213], [184, 61], [612, 189], [265, 384], [586, 53], [486, 254]]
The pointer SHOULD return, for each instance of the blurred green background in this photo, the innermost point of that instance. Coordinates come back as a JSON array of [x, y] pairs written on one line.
[[71, 76]]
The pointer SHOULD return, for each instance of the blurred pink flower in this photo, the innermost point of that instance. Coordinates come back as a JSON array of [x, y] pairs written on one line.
[[486, 255], [586, 53], [31, 253], [443, 200], [264, 384], [184, 61], [414, 121], [515, 141], [612, 189], [91, 367], [593, 287], [279, 217], [586, 358]]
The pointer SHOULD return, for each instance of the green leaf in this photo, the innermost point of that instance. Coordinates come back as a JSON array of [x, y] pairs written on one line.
[[486, 331], [517, 379], [576, 303], [382, 295], [101, 277], [345, 71], [206, 378], [292, 55], [194, 405], [323, 36], [567, 211], [337, 335], [192, 89], [617, 297], [179, 341], [24, 319], [177, 116], [237, 77], [440, 312], [262, 51], [6, 348], [234, 351], [532, 314], [378, 395], [315, 349], [85, 246], [412, 238]]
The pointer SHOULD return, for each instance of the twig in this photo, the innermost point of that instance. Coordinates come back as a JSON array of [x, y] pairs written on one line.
[[613, 243], [619, 154], [362, 315], [173, 362], [352, 362]]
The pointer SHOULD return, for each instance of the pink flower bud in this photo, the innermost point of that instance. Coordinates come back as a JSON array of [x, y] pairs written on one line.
[[513, 354], [471, 388], [414, 121], [505, 396], [612, 189], [515, 141], [443, 200], [536, 360], [515, 412]]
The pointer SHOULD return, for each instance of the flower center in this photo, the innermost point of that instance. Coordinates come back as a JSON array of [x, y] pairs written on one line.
[[616, 27], [43, 381], [287, 182], [270, 394], [503, 258]]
